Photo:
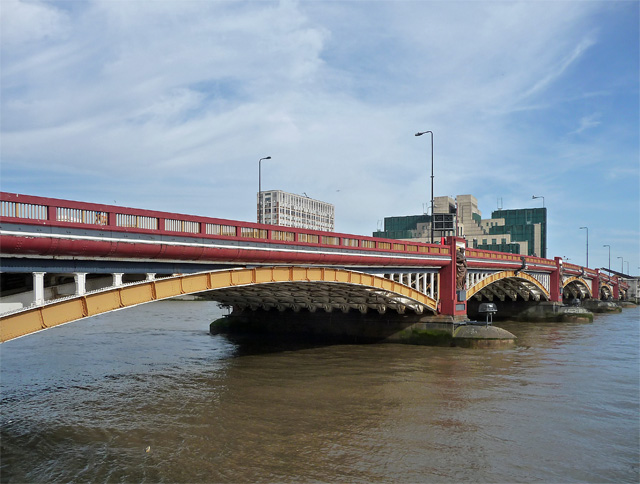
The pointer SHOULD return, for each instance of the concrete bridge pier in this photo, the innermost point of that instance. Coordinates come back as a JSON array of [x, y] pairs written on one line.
[[535, 311], [357, 327], [596, 306]]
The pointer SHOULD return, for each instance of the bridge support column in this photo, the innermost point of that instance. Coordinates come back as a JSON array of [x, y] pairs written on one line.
[[81, 283], [595, 286], [555, 291], [38, 287], [452, 302], [117, 279]]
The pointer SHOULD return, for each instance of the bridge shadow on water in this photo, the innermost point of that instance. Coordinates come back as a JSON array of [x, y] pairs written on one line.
[[261, 344], [260, 332]]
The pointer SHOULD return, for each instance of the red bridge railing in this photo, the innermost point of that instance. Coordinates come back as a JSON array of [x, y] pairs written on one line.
[[28, 209]]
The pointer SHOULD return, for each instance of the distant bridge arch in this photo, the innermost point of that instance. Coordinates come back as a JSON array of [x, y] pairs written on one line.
[[508, 284], [606, 291], [576, 286], [295, 288]]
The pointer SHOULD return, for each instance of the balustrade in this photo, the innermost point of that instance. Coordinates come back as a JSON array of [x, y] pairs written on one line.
[[23, 210]]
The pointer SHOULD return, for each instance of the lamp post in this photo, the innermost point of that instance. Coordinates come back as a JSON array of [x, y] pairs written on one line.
[[544, 237], [432, 215], [622, 268], [260, 187], [607, 245], [533, 197], [587, 229]]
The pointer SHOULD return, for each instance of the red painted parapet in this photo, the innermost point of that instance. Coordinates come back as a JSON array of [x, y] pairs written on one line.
[[33, 210], [506, 261]]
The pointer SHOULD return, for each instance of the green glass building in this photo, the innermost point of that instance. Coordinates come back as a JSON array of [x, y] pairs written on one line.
[[526, 225], [519, 231], [402, 227]]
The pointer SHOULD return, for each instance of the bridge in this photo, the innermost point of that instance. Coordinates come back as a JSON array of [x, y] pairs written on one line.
[[64, 260]]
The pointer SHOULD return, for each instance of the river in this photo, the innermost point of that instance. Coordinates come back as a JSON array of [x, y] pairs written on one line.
[[147, 395]]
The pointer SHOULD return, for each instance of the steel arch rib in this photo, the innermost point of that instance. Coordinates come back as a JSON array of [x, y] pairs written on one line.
[[31, 320], [579, 280], [473, 290]]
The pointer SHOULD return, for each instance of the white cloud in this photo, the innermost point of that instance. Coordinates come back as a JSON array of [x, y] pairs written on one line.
[[588, 122], [30, 22]]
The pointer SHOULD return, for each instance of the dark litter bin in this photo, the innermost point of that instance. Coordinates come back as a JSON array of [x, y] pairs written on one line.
[[488, 309]]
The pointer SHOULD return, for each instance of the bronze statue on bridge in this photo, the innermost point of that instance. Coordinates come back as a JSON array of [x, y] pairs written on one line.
[[461, 270]]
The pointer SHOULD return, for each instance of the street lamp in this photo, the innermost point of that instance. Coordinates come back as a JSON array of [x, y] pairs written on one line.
[[260, 187], [607, 245], [587, 228], [432, 215], [622, 268], [544, 241]]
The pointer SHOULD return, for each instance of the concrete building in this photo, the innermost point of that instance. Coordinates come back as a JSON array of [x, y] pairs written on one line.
[[518, 231], [276, 207]]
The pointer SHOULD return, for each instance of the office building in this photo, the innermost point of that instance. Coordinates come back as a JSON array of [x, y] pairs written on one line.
[[276, 207], [517, 231]]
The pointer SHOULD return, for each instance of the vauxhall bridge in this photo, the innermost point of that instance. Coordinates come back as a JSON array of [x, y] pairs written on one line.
[[64, 260]]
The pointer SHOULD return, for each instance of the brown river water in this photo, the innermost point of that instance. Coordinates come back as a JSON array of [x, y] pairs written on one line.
[[147, 395]]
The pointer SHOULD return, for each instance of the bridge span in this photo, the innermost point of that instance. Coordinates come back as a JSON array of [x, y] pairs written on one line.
[[63, 260]]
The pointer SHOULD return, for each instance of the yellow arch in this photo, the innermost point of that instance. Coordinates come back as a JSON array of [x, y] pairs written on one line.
[[65, 311], [505, 275], [579, 280]]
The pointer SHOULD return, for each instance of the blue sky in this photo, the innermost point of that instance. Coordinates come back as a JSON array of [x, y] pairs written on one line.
[[168, 105]]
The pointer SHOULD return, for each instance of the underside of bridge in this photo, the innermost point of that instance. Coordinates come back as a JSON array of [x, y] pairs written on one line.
[[508, 285], [263, 287], [327, 296], [576, 288]]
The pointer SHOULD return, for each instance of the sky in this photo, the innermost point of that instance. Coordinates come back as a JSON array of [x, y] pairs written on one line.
[[168, 105]]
